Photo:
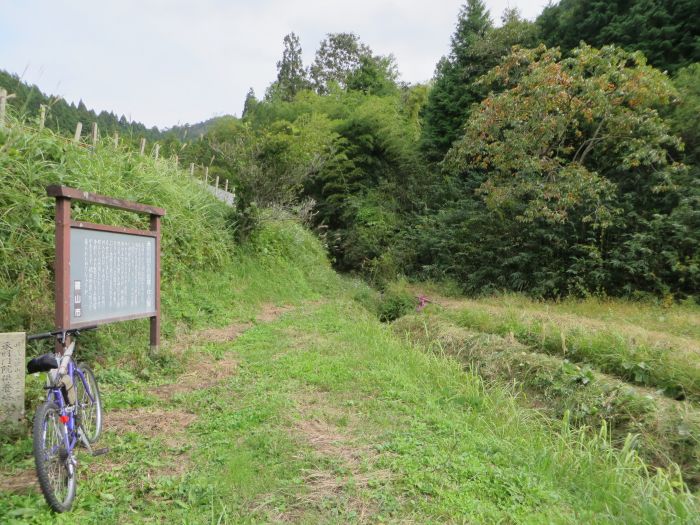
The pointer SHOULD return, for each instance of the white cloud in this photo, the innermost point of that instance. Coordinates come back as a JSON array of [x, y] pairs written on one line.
[[164, 62]]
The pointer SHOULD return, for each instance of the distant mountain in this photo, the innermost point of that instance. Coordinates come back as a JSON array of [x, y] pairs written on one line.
[[63, 117], [193, 131]]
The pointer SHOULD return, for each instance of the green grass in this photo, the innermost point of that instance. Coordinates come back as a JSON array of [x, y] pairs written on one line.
[[666, 432], [197, 229], [413, 438]]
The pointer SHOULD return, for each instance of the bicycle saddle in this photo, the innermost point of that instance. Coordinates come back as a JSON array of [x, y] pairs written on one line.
[[43, 363]]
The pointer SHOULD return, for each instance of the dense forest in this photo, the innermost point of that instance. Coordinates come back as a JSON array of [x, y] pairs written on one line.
[[555, 157], [535, 160]]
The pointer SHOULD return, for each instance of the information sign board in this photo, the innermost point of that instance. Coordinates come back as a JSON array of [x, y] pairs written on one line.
[[105, 273]]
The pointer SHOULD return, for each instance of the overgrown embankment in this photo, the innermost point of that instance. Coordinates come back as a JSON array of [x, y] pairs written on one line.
[[207, 279], [196, 230]]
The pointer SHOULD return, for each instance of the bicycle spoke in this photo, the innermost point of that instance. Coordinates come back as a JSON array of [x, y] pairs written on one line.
[[89, 410], [53, 455]]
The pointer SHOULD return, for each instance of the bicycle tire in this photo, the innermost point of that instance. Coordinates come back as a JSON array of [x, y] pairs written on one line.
[[89, 412], [54, 468]]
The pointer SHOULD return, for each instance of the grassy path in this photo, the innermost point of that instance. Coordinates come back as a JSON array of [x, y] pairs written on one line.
[[322, 415]]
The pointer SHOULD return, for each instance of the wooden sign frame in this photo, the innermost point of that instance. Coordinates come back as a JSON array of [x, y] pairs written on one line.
[[64, 223]]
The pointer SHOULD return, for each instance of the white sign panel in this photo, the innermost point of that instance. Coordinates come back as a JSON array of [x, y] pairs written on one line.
[[112, 276]]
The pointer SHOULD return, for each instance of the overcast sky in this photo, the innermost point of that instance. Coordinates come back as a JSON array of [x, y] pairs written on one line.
[[168, 62]]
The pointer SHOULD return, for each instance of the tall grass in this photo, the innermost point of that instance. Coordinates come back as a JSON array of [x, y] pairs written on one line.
[[196, 233]]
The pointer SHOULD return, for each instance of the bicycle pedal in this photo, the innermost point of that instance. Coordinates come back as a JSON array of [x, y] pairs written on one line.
[[100, 452]]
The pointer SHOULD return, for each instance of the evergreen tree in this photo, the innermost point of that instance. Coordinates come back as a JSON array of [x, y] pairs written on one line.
[[667, 32], [62, 116], [291, 75], [451, 97], [476, 48], [250, 103]]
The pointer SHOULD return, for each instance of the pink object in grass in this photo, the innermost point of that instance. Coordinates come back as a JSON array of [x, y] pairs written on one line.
[[422, 301]]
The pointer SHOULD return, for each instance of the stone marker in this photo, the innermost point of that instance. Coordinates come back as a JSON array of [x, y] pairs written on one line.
[[12, 363]]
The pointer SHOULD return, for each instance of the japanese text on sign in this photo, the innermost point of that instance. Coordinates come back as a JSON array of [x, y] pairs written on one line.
[[112, 275]]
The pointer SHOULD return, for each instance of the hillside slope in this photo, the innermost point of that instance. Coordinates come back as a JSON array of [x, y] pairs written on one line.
[[278, 397]]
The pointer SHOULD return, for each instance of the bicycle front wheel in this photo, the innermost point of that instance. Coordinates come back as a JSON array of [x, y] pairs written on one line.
[[89, 404], [55, 467]]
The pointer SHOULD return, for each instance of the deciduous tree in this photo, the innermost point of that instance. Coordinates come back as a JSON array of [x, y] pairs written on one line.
[[575, 152], [476, 47], [338, 56]]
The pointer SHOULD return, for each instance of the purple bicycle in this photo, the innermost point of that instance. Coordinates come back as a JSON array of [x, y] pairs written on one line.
[[71, 415]]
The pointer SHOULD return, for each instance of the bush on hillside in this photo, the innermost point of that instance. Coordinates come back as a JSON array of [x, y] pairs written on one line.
[[396, 301]]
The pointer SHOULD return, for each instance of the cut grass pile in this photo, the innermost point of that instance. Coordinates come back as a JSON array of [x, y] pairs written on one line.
[[608, 339], [681, 320]]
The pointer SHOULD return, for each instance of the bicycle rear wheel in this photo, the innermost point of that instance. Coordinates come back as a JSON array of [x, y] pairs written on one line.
[[89, 408], [55, 468]]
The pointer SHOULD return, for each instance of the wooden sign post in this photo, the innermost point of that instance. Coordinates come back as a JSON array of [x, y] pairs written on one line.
[[105, 274], [12, 362]]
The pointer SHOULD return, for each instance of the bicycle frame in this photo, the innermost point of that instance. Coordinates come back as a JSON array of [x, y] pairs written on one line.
[[70, 435]]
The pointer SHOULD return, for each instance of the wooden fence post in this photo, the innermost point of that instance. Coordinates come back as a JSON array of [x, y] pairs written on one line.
[[157, 150], [3, 106], [78, 130], [94, 135], [116, 139], [217, 181], [62, 305], [226, 186], [143, 146], [155, 321], [206, 174], [42, 116], [191, 169]]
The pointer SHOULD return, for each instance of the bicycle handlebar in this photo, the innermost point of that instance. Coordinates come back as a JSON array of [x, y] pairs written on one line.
[[61, 334]]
